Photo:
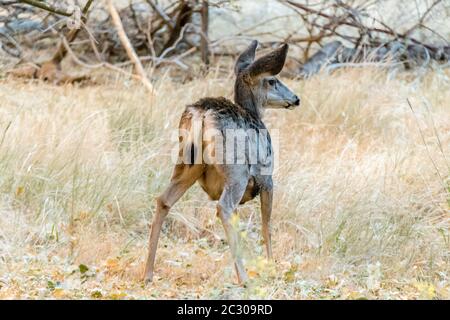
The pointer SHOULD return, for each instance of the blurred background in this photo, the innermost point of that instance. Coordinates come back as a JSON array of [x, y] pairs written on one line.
[[91, 94], [179, 33]]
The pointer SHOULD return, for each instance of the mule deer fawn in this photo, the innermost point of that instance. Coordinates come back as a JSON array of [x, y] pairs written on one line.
[[232, 179]]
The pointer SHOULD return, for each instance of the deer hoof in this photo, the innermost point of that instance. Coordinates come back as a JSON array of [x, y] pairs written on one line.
[[148, 279]]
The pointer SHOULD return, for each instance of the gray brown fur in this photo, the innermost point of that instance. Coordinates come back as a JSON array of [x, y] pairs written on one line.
[[256, 88]]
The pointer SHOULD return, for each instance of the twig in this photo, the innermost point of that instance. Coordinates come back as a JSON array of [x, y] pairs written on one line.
[[61, 52], [128, 47], [184, 15], [353, 24], [162, 14], [46, 7], [94, 66], [19, 50], [204, 39], [174, 45]]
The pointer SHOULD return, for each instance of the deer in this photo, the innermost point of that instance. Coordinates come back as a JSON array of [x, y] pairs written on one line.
[[230, 182]]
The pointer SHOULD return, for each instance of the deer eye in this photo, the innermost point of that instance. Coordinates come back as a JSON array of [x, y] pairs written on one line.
[[272, 82]]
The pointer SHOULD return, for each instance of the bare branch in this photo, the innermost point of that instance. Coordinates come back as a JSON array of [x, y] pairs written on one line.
[[61, 51], [162, 14], [128, 47], [46, 7], [204, 40]]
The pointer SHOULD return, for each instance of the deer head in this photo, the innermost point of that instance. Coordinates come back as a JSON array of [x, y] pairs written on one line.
[[257, 86]]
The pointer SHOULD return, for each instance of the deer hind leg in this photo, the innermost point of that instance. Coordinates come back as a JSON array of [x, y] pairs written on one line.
[[266, 211], [229, 200], [183, 178]]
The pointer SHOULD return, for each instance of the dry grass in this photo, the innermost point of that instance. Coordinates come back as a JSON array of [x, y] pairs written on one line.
[[361, 206]]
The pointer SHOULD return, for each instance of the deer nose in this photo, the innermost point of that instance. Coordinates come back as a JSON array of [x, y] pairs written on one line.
[[297, 101]]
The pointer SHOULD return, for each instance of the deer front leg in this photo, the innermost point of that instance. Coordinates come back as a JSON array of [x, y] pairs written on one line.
[[266, 211], [228, 202]]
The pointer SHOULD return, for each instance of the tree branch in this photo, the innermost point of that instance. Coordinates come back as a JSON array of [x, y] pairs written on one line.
[[61, 51], [46, 7], [128, 47]]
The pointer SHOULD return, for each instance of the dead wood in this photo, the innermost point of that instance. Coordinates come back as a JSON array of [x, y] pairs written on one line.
[[128, 47]]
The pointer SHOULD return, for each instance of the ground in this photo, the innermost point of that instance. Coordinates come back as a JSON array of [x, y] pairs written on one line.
[[361, 208]]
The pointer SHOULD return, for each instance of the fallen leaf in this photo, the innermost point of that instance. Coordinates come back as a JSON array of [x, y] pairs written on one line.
[[83, 268], [59, 293], [20, 190]]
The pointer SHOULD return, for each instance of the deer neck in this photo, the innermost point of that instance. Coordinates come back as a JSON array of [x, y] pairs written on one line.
[[246, 99]]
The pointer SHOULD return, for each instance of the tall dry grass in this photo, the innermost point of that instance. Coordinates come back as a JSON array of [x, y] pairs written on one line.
[[361, 207]]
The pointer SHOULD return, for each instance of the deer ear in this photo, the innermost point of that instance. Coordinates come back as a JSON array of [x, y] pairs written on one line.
[[246, 58], [269, 65]]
